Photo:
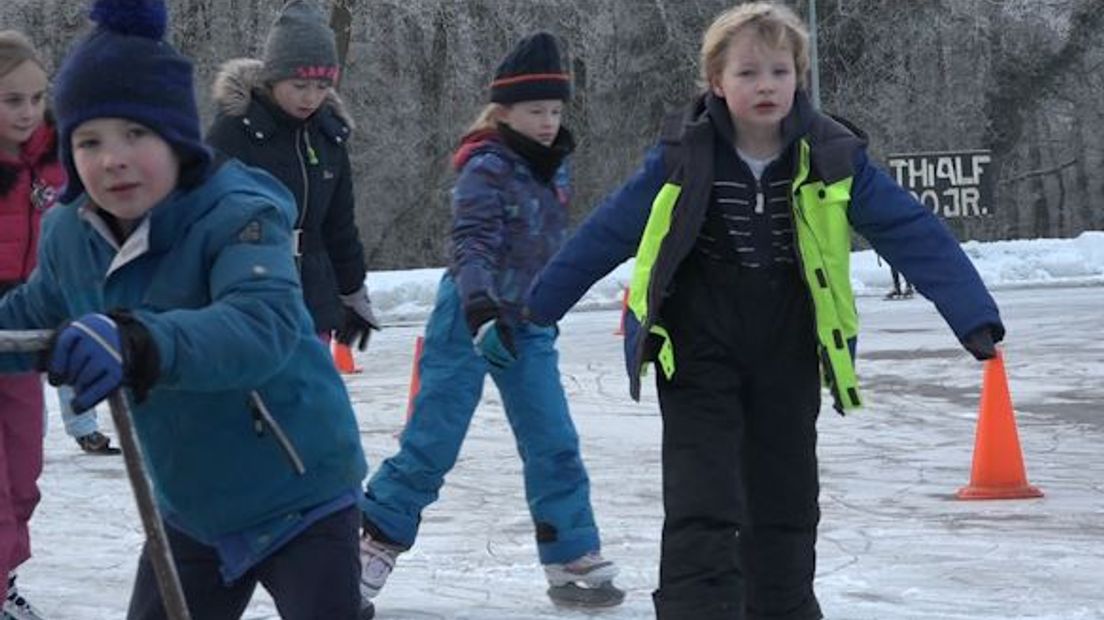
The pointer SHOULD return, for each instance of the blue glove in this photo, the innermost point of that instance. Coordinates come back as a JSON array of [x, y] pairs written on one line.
[[88, 355], [495, 342], [493, 339]]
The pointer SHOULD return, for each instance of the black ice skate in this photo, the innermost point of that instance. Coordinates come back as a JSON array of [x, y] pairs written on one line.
[[584, 582], [97, 443], [15, 606]]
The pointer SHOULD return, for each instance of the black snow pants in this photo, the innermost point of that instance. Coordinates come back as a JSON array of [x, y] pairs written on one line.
[[315, 576], [740, 481]]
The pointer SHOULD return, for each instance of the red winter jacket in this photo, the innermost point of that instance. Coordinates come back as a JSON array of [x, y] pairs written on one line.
[[29, 184]]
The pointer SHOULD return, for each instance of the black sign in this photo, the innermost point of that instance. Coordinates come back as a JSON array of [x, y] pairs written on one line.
[[952, 185]]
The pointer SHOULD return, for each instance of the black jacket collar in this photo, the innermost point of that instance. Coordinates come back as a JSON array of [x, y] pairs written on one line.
[[266, 117]]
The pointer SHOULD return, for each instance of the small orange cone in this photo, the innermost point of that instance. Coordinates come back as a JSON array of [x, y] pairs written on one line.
[[624, 310], [415, 384], [343, 359], [415, 379], [998, 469]]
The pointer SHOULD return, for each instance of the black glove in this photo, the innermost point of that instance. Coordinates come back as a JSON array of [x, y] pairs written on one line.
[[493, 338], [359, 321], [981, 343], [479, 310], [98, 353]]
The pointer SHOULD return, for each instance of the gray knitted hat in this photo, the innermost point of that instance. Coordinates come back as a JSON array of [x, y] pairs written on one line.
[[300, 45]]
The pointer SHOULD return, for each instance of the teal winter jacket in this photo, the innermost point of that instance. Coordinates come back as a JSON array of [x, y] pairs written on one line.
[[210, 273]]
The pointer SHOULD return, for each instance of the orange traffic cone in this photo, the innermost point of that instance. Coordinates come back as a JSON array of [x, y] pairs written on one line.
[[415, 384], [998, 470], [343, 359], [624, 310], [415, 378]]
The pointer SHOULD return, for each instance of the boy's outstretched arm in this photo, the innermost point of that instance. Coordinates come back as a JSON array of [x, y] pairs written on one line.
[[915, 242], [608, 237]]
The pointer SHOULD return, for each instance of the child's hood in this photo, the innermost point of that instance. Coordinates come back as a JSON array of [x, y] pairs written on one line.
[[833, 139], [474, 143], [713, 109], [237, 79], [38, 150], [39, 147]]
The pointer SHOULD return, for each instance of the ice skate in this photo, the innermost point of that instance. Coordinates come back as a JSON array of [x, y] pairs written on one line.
[[377, 560], [15, 606], [96, 443], [584, 582]]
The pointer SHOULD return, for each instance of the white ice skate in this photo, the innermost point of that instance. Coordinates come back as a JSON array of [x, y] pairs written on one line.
[[377, 560], [584, 582], [15, 606]]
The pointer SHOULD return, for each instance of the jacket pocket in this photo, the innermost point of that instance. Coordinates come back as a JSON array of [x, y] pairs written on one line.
[[263, 421]]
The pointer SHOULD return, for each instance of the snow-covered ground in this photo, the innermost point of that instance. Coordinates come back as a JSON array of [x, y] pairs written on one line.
[[893, 543], [408, 295]]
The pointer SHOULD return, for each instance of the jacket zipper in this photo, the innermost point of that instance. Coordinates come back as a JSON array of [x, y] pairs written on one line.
[[300, 136], [22, 275], [261, 419]]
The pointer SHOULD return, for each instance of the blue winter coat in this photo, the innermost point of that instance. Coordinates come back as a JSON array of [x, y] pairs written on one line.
[[506, 223], [215, 283]]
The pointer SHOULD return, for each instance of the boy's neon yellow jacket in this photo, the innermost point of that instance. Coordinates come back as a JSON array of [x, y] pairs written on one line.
[[656, 217]]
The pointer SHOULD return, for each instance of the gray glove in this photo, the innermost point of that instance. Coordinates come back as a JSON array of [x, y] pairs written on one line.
[[359, 321]]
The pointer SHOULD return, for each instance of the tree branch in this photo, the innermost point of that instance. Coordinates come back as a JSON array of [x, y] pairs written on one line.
[[1030, 174]]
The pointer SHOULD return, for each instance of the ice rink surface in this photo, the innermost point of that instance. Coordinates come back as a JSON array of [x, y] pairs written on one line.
[[894, 544]]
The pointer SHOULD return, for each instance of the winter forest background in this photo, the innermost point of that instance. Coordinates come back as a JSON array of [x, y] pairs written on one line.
[[1022, 78]]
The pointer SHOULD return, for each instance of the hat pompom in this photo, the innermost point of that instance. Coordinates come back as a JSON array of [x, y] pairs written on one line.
[[145, 18]]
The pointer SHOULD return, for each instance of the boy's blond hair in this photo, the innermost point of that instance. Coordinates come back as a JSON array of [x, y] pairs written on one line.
[[15, 49], [487, 119], [775, 24]]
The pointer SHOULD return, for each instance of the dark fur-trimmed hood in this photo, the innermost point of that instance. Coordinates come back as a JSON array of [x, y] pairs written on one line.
[[239, 78]]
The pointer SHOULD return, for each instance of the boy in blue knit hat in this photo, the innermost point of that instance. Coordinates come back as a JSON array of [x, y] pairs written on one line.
[[167, 274]]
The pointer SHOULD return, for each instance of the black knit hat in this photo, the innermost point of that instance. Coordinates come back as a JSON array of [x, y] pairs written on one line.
[[123, 69], [531, 71]]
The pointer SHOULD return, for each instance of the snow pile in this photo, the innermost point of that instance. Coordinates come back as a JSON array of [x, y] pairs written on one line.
[[403, 296]]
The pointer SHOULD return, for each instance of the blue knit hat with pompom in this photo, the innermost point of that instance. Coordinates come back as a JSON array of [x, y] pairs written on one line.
[[123, 69]]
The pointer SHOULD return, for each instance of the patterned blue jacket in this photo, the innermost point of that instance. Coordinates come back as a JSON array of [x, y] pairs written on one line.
[[506, 223]]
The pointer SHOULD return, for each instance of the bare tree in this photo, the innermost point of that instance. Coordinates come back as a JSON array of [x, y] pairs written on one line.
[[1020, 77]]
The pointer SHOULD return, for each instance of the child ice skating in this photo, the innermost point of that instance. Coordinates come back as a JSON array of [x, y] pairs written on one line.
[[281, 114], [30, 179], [740, 221], [167, 274], [509, 217]]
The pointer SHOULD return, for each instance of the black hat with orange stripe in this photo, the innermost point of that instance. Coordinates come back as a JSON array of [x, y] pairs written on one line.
[[531, 71]]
